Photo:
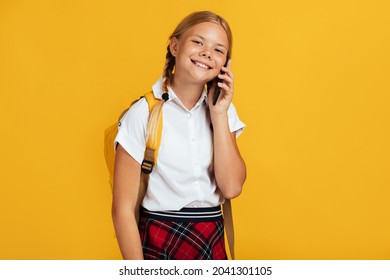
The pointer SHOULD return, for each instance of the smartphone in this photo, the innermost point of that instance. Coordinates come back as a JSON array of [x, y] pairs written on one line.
[[218, 89]]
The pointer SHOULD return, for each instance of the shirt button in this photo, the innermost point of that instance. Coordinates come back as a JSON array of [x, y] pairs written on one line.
[[188, 115]]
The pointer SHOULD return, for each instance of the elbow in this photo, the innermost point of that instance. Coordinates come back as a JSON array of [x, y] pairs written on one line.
[[121, 213], [232, 194], [116, 212], [235, 188]]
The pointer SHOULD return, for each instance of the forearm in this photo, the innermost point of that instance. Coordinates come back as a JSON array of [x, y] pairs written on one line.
[[127, 233], [125, 193], [229, 167]]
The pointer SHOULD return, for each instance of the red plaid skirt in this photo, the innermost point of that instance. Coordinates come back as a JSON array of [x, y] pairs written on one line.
[[188, 234]]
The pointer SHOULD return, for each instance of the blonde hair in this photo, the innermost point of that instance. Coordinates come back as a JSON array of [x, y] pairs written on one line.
[[189, 21]]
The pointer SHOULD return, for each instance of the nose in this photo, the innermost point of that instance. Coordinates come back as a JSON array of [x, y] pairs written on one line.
[[206, 53]]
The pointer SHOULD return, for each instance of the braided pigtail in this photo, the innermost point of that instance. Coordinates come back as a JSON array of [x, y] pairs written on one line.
[[168, 69], [155, 114], [154, 117]]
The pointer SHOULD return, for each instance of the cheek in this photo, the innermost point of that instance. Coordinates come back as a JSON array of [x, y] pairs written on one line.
[[185, 52], [188, 47], [221, 61]]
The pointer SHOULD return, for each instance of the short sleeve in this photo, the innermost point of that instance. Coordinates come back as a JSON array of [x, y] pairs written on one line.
[[132, 130], [235, 124]]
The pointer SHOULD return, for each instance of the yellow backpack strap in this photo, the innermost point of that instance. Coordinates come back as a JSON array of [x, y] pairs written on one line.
[[151, 99], [228, 217], [154, 132]]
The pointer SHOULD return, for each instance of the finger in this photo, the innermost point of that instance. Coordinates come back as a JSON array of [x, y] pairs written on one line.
[[227, 71], [226, 78], [229, 64], [225, 87]]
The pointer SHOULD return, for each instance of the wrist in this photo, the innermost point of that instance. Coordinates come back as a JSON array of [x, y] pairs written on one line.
[[218, 119]]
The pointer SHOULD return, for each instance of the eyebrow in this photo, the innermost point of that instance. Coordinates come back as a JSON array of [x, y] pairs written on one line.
[[203, 38]]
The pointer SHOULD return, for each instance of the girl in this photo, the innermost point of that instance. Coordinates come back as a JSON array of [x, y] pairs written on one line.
[[198, 165]]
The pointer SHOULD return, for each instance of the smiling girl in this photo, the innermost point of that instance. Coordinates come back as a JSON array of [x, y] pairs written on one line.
[[199, 163]]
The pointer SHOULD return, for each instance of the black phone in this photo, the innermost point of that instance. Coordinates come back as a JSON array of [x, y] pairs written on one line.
[[218, 89]]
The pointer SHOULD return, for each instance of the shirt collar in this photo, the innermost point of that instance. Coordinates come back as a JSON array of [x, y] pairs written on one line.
[[158, 92]]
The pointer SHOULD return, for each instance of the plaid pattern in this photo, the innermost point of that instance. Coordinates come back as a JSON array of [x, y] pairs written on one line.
[[172, 240]]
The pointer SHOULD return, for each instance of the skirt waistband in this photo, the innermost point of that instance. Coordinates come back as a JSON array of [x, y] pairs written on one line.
[[204, 214]]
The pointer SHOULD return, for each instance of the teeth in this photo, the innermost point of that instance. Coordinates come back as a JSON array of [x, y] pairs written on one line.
[[201, 65]]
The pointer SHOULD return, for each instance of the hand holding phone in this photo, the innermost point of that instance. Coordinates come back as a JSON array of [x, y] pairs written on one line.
[[218, 89]]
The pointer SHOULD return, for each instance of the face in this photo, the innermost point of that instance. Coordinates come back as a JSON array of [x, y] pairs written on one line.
[[200, 52]]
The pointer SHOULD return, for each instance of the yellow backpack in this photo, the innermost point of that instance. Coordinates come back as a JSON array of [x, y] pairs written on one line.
[[152, 144], [154, 132]]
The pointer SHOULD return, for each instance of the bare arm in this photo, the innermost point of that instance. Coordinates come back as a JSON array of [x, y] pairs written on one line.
[[229, 166], [126, 186]]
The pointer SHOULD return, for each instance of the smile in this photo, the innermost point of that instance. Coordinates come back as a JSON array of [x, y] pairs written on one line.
[[201, 65]]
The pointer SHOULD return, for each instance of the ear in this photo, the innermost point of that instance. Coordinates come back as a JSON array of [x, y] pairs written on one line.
[[173, 45]]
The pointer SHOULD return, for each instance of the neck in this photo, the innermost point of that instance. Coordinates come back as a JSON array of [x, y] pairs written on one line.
[[188, 93]]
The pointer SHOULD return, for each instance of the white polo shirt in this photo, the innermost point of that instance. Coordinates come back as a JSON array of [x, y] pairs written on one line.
[[183, 176]]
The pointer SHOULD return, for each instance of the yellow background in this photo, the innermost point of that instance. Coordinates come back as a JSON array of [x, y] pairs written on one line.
[[312, 85]]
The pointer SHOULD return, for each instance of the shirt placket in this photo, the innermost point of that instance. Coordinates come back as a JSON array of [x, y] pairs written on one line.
[[194, 154]]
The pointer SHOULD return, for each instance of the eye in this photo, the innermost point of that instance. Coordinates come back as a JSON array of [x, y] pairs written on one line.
[[196, 42], [219, 51]]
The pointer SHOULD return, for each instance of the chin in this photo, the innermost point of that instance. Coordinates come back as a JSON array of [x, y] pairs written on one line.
[[205, 77], [205, 81]]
